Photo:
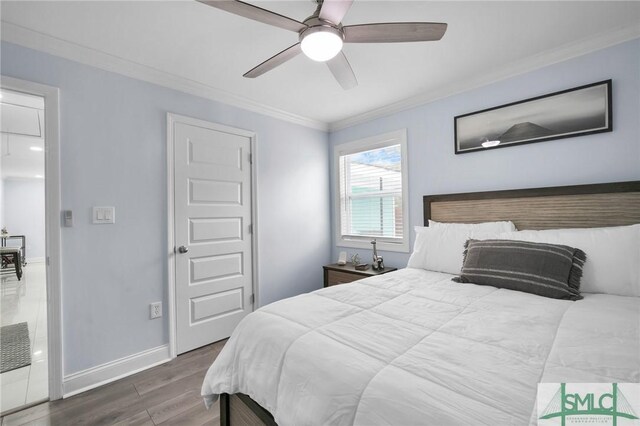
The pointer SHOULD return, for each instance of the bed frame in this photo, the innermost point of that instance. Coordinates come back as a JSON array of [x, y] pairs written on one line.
[[579, 206]]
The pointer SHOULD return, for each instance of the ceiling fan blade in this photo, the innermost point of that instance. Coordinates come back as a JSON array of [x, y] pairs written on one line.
[[394, 32], [274, 61], [334, 10], [341, 70], [256, 13]]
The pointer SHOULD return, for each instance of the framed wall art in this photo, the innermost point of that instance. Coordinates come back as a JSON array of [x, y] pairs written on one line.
[[578, 111]]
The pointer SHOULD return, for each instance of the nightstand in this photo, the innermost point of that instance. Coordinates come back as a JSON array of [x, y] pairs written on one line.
[[341, 274]]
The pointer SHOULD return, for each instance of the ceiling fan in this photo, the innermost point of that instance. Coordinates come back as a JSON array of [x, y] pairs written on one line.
[[322, 35]]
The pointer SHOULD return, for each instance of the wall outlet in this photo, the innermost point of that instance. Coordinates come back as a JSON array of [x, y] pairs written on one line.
[[155, 310]]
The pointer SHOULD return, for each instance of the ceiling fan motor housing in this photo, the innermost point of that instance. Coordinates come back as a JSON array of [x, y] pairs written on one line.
[[315, 25]]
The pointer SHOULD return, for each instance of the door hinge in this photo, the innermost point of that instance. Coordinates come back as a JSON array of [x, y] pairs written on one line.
[[252, 299], [250, 158], [48, 262], [251, 228]]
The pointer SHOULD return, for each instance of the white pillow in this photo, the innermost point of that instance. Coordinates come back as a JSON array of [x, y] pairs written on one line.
[[440, 248], [503, 226], [613, 255]]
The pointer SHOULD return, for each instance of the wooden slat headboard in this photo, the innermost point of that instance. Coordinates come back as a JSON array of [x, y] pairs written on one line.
[[580, 206]]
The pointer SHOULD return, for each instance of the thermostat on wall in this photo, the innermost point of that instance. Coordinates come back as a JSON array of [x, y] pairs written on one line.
[[68, 218]]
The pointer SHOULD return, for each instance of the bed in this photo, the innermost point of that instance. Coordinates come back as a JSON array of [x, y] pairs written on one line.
[[412, 347]]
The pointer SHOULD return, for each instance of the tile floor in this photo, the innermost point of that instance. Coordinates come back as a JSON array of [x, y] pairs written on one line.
[[26, 301]]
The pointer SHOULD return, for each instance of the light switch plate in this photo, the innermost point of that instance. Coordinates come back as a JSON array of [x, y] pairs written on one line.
[[104, 215]]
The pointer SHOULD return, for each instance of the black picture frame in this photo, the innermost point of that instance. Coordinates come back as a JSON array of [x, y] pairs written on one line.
[[578, 111]]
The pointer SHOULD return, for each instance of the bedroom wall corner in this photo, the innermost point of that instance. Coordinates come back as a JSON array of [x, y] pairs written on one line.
[[599, 158], [113, 152]]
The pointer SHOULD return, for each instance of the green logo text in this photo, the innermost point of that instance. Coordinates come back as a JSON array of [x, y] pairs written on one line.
[[612, 404]]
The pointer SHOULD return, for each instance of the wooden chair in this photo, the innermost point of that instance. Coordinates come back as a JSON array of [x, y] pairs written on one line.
[[11, 256]]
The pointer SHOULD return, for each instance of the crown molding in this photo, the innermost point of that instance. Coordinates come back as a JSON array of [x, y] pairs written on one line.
[[48, 44], [549, 57], [29, 38]]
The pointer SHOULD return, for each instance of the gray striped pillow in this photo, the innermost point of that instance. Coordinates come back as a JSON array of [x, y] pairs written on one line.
[[548, 270]]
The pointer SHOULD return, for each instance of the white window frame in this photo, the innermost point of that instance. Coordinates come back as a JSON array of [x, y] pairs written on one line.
[[398, 137]]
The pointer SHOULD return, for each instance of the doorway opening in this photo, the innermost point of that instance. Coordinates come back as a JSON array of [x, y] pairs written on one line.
[[24, 372]]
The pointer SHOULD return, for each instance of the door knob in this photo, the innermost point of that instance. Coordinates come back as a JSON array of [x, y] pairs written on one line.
[[182, 249]]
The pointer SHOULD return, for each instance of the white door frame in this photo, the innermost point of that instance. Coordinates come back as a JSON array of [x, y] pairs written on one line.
[[172, 119], [52, 221]]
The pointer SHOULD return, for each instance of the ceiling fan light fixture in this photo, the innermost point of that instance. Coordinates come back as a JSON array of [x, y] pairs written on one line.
[[321, 43], [321, 35]]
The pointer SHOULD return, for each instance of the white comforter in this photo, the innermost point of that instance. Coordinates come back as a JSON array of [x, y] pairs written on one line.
[[413, 347]]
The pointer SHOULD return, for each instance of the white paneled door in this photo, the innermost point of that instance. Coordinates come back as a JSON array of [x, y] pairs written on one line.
[[212, 234]]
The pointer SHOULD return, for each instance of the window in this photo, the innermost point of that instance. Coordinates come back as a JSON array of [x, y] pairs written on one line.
[[372, 192]]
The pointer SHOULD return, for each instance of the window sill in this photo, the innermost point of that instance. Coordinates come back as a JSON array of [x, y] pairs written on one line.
[[381, 246]]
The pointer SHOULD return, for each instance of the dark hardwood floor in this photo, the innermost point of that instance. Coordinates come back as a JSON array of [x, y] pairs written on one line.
[[165, 395]]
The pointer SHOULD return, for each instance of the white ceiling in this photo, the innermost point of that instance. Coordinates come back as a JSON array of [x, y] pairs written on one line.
[[22, 124], [485, 41]]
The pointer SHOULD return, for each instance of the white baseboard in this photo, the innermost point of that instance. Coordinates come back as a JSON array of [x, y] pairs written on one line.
[[111, 371]]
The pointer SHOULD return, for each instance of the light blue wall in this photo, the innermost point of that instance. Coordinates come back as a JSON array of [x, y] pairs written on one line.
[[23, 205], [113, 152], [435, 169]]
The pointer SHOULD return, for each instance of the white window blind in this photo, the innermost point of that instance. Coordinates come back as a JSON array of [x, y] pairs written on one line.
[[371, 194]]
